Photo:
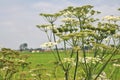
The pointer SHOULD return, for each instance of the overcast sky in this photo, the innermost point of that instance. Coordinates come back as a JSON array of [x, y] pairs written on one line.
[[18, 18]]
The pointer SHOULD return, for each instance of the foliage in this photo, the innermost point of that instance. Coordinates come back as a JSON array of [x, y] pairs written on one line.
[[91, 50], [11, 63], [80, 31], [23, 46], [14, 66]]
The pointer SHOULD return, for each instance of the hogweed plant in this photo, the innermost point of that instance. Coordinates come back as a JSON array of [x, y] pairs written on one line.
[[12, 64], [88, 38]]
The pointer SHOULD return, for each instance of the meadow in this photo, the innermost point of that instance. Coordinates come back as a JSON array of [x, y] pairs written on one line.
[[81, 31], [16, 65], [94, 52], [47, 59]]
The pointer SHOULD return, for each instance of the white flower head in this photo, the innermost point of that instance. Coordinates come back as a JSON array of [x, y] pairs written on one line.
[[68, 19], [89, 60], [68, 60], [4, 68], [67, 13], [114, 18], [102, 76], [33, 75], [22, 61], [49, 44], [107, 39], [49, 27], [117, 35], [116, 65]]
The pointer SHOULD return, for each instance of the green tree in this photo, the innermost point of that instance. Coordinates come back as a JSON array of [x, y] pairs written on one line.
[[23, 46]]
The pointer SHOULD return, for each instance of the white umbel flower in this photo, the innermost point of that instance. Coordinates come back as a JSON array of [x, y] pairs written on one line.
[[114, 18], [68, 19], [90, 60], [116, 65], [68, 60], [49, 44]]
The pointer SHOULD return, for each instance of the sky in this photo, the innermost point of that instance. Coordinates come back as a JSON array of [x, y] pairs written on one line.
[[18, 18]]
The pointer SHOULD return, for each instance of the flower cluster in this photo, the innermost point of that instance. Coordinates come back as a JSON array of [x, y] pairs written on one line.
[[68, 20], [116, 65], [68, 60], [102, 76], [93, 60], [117, 35], [107, 39], [49, 44], [114, 18], [5, 68], [11, 63], [67, 13], [79, 32], [45, 27]]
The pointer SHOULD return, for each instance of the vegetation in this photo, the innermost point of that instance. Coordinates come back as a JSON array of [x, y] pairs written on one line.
[[47, 61], [23, 46], [78, 30], [93, 55]]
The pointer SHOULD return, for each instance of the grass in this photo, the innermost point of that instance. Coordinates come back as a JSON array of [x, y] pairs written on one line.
[[40, 58], [47, 59]]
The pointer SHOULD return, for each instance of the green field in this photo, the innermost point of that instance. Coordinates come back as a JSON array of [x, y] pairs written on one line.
[[44, 66], [47, 59]]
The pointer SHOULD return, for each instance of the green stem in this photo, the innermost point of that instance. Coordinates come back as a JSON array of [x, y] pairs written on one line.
[[65, 46], [7, 72], [58, 54], [104, 66], [66, 75], [48, 36], [84, 56], [77, 58], [113, 41], [83, 49], [112, 72]]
